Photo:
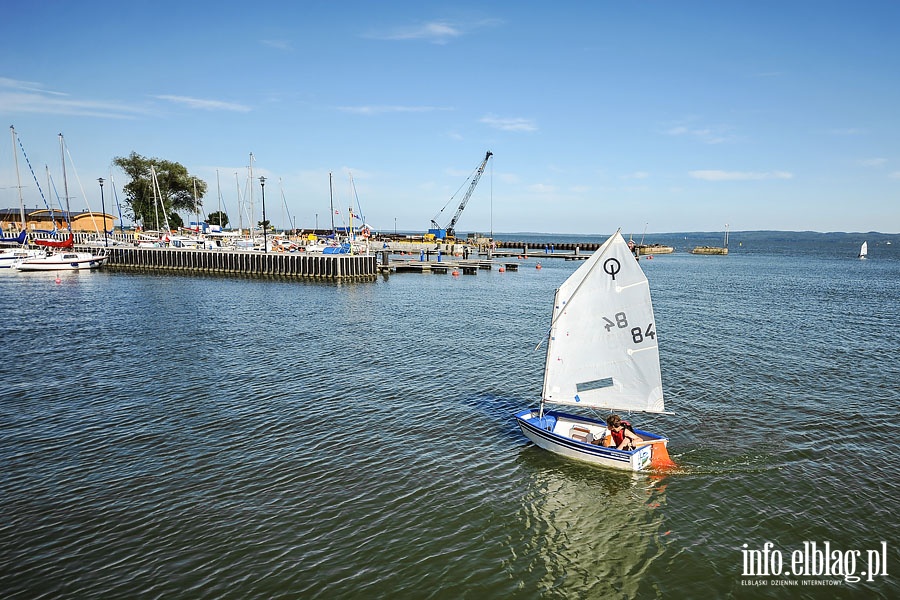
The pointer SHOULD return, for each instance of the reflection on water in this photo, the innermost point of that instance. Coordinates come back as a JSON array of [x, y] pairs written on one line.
[[210, 437], [587, 531]]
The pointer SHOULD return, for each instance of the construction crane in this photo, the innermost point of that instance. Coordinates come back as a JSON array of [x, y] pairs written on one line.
[[449, 232]]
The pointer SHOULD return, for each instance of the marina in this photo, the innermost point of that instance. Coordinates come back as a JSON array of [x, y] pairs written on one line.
[[175, 436]]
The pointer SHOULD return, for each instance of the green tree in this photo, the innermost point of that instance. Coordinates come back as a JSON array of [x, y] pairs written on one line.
[[217, 218], [176, 186]]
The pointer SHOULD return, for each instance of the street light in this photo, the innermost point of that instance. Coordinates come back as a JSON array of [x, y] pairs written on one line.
[[262, 182], [103, 210]]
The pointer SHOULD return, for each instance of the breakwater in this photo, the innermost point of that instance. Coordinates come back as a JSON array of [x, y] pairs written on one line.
[[332, 266]]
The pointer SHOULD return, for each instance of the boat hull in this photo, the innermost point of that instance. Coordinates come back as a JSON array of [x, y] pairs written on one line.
[[10, 258], [554, 432], [62, 262]]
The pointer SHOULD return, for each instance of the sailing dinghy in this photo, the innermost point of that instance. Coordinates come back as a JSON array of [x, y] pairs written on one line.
[[864, 250], [602, 353]]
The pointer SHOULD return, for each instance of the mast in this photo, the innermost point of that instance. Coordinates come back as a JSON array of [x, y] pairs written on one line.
[[331, 196], [240, 204], [62, 154], [196, 209], [51, 189], [219, 196], [250, 185], [12, 131]]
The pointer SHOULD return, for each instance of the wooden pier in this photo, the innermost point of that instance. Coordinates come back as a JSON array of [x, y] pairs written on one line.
[[282, 264]]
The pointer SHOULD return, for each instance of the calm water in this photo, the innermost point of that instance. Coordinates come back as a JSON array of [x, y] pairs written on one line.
[[179, 437]]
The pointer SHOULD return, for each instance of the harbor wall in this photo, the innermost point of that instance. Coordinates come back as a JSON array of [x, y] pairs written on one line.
[[334, 266]]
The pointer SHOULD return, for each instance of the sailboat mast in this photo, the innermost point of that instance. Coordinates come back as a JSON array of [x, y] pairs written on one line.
[[219, 196], [196, 209], [62, 155], [250, 185], [12, 131], [240, 199], [331, 197]]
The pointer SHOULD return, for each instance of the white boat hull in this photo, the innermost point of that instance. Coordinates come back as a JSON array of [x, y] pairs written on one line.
[[10, 258], [554, 432], [65, 261]]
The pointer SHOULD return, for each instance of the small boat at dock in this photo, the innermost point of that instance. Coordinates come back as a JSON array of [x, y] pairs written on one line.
[[62, 261]]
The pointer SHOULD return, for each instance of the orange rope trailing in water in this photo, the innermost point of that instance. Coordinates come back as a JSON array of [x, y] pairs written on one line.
[[659, 459]]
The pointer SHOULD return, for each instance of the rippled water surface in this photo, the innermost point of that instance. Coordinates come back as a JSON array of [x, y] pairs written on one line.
[[195, 437]]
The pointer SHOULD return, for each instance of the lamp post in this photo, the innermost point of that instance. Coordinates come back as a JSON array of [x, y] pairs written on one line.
[[262, 183], [103, 210]]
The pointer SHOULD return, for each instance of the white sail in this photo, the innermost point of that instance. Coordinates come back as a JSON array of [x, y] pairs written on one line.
[[864, 250], [602, 350]]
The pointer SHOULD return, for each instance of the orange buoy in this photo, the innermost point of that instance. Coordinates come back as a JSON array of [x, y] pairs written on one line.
[[455, 273], [501, 269], [537, 266]]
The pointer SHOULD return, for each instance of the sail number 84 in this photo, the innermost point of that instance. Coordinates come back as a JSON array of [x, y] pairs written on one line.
[[637, 334]]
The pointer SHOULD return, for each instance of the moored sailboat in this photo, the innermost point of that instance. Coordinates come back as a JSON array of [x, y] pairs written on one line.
[[64, 259], [10, 257], [602, 353]]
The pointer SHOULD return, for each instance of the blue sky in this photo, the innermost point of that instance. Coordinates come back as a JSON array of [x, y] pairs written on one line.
[[669, 116]]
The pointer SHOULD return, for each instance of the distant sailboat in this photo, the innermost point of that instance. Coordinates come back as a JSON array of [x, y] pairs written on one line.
[[864, 250]]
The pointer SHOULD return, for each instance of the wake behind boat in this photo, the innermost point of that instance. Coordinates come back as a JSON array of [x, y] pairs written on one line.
[[602, 352]]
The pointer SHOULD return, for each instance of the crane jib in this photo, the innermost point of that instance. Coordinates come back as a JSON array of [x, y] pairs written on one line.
[[449, 230]]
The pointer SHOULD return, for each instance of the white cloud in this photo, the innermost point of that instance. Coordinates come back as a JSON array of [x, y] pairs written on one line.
[[872, 162], [895, 175], [31, 97], [204, 104], [506, 124], [277, 44], [40, 104], [637, 175], [377, 110], [712, 175], [706, 135], [542, 188], [846, 131], [27, 86], [436, 32]]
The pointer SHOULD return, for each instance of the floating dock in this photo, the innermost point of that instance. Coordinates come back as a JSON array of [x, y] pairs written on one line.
[[710, 250]]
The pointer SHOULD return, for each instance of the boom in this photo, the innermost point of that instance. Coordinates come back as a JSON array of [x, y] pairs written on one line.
[[450, 230]]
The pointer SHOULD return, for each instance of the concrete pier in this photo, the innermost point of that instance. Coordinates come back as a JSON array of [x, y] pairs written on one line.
[[332, 266]]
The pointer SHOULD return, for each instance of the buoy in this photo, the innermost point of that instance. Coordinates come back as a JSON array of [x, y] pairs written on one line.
[[650, 257], [58, 279], [537, 266], [502, 270], [455, 273]]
